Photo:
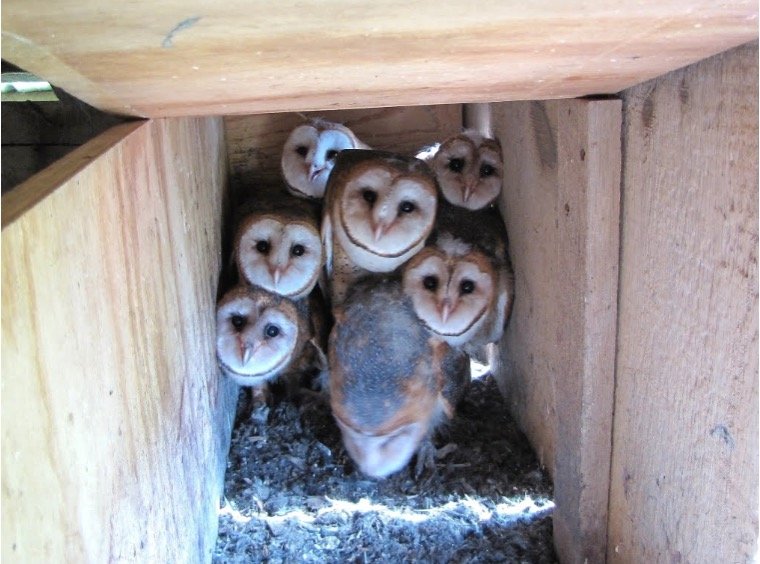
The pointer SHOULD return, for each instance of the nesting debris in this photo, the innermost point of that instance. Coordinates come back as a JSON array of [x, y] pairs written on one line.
[[293, 495]]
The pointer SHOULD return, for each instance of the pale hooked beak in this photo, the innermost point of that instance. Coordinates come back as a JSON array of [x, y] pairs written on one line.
[[246, 351], [445, 310], [379, 231], [276, 275], [469, 188], [314, 171]]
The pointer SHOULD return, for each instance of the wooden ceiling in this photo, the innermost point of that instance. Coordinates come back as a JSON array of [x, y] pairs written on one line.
[[193, 57]]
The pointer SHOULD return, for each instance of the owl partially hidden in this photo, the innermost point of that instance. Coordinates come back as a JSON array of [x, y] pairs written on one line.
[[309, 155], [469, 169], [379, 210], [277, 244], [260, 336], [390, 382], [461, 284]]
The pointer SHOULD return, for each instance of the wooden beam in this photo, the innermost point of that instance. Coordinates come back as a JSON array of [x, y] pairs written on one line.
[[685, 459], [561, 207], [115, 422], [195, 57]]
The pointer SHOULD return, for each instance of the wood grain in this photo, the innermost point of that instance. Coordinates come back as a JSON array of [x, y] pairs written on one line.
[[561, 207], [115, 423], [685, 459], [254, 143], [195, 57]]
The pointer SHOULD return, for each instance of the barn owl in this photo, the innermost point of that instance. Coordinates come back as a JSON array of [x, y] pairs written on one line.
[[469, 169], [464, 265], [277, 244], [379, 209], [309, 155], [390, 382], [260, 336]]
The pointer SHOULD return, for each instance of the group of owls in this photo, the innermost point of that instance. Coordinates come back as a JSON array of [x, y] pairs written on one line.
[[380, 271]]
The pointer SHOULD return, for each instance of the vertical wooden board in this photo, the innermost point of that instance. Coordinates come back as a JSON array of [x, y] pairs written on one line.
[[115, 424], [561, 206], [254, 142], [685, 459]]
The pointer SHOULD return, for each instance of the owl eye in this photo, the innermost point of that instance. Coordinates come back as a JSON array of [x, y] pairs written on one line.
[[271, 331], [262, 247], [238, 321], [302, 150], [370, 196], [297, 250], [331, 154], [406, 207], [487, 170], [467, 287], [456, 165], [430, 283]]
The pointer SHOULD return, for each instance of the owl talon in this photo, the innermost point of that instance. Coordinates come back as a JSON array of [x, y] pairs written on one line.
[[426, 456]]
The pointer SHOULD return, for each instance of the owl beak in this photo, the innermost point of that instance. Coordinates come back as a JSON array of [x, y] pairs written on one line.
[[276, 275], [379, 231], [246, 352], [445, 310], [469, 188], [314, 171]]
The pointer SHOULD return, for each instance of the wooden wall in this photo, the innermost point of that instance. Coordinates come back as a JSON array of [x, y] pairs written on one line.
[[685, 457], [115, 424], [561, 207]]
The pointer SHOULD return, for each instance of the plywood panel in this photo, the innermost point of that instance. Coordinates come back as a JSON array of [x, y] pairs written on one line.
[[685, 465], [115, 424], [561, 207], [254, 143], [197, 57]]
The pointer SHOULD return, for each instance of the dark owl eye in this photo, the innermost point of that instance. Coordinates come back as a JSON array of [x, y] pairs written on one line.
[[271, 330], [238, 321], [297, 250], [487, 170], [406, 207], [262, 247], [467, 287], [302, 150], [331, 154], [456, 165], [370, 196], [430, 283]]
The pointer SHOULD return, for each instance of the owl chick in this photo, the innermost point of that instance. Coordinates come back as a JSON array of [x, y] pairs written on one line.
[[390, 382], [309, 155], [379, 210], [277, 244], [260, 336], [462, 283], [468, 168]]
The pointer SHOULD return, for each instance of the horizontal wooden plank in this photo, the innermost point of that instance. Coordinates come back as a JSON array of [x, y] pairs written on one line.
[[195, 57], [115, 421]]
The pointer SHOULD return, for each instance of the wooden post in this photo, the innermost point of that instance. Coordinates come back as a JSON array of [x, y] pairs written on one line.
[[685, 459], [115, 422], [561, 206]]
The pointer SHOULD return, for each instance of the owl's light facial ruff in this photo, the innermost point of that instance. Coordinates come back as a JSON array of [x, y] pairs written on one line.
[[469, 169], [385, 214], [256, 335], [309, 155], [452, 288], [281, 257]]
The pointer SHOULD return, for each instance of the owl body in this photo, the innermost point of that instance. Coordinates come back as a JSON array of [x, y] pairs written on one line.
[[309, 155], [469, 169], [379, 210], [461, 284], [390, 382], [277, 244]]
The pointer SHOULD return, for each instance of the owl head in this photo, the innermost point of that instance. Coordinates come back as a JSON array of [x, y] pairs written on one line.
[[469, 169], [280, 253], [452, 287], [309, 155], [258, 334], [382, 207]]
